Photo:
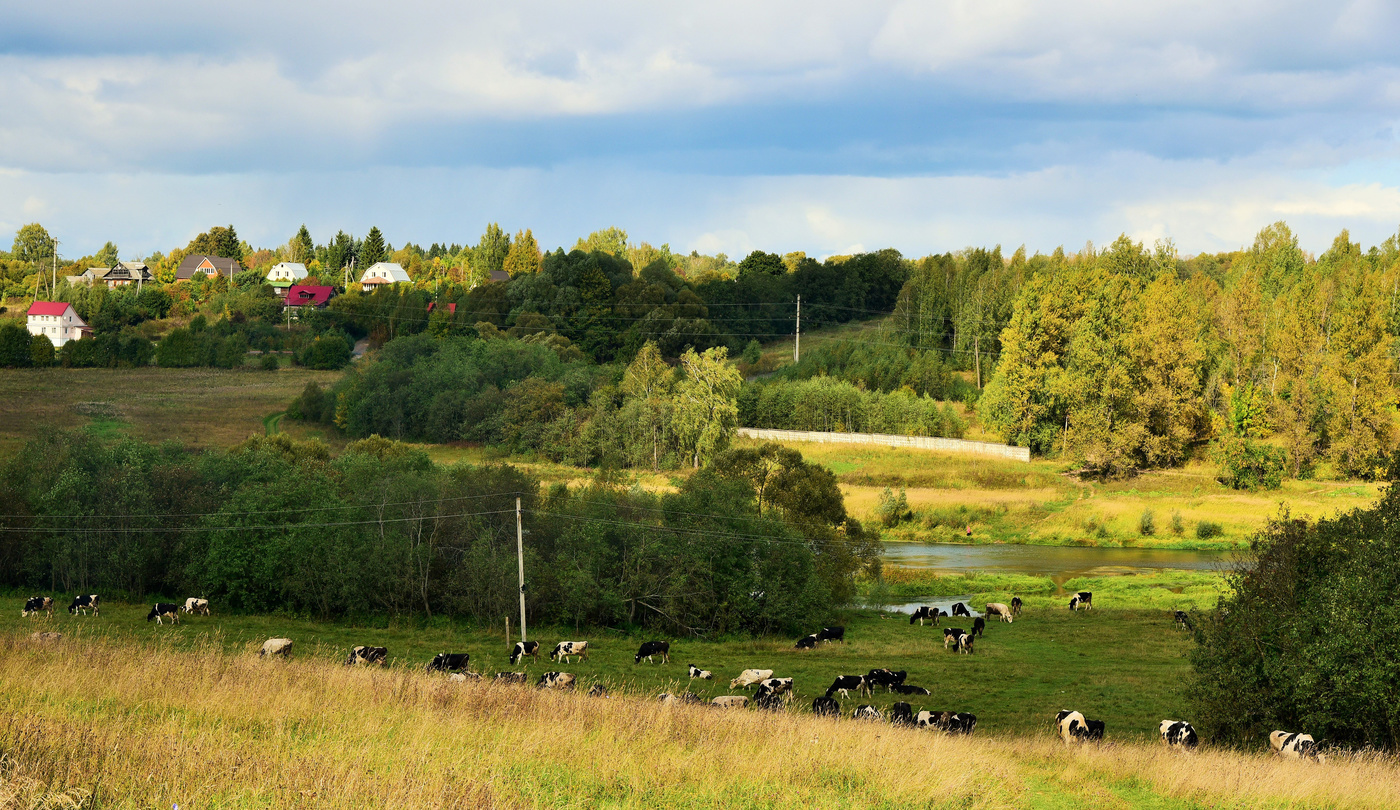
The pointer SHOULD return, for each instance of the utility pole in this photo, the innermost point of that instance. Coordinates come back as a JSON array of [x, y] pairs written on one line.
[[520, 557], [797, 335], [54, 285], [977, 355]]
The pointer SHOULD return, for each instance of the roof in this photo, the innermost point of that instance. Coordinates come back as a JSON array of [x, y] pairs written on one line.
[[208, 265], [97, 272], [499, 275], [295, 270], [48, 308], [128, 270], [385, 272], [309, 295], [451, 308], [133, 266]]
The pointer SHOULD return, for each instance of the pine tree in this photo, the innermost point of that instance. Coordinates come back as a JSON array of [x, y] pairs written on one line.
[[301, 248], [373, 249]]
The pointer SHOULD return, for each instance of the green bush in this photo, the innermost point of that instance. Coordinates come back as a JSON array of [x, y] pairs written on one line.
[[269, 362], [41, 351], [15, 346], [328, 351], [1247, 464], [752, 352], [1178, 527], [893, 509], [1205, 530], [1147, 523], [233, 350]]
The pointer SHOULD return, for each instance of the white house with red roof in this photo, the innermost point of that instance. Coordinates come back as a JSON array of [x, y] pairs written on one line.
[[56, 321]]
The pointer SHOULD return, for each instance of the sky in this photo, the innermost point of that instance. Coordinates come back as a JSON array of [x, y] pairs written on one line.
[[721, 127]]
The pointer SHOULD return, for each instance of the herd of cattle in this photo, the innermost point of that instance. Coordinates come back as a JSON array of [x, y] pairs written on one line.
[[770, 693]]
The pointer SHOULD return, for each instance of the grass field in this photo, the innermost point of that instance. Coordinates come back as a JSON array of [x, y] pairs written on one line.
[[164, 718]]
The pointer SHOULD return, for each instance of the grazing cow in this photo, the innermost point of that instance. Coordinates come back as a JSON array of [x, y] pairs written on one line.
[[46, 637], [775, 685], [866, 712], [979, 626], [556, 680], [463, 677], [702, 674], [1291, 745], [369, 655], [769, 699], [276, 646], [1084, 599], [37, 604], [511, 677], [959, 609], [749, 677], [164, 610], [1001, 611], [965, 643], [902, 714], [950, 635], [1016, 605], [905, 689], [926, 719], [1070, 725], [598, 690], [845, 682], [922, 613], [564, 650], [730, 701], [82, 603], [449, 662], [1178, 733], [650, 648], [1093, 730], [807, 642], [524, 648], [196, 605], [1182, 620], [885, 678], [832, 634], [959, 723], [826, 707]]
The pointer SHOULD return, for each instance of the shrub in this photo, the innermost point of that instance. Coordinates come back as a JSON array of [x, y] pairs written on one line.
[[15, 346], [1247, 464], [893, 509], [233, 350], [269, 362], [1147, 523], [753, 352], [1205, 530], [1178, 527], [329, 351], [41, 350]]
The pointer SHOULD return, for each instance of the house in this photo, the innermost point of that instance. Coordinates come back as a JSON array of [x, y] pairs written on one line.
[[451, 308], [57, 321], [197, 263], [125, 273], [383, 273], [314, 296], [499, 275], [284, 275], [89, 276]]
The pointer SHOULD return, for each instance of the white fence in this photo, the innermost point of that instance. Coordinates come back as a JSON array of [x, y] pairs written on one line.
[[917, 442]]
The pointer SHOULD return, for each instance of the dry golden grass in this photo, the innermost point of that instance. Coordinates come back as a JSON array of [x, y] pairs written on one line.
[[146, 726]]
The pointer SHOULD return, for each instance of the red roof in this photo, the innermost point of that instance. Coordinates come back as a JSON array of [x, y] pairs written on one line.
[[311, 295], [451, 308], [48, 308]]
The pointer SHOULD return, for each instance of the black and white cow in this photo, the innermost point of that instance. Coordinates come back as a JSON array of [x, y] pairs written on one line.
[[164, 610], [907, 689], [1178, 733], [965, 643], [276, 646], [826, 707], [82, 603], [960, 722], [885, 678], [922, 613], [902, 714], [195, 604], [463, 677], [565, 650], [979, 626], [843, 683], [1016, 606], [524, 648], [368, 655], [951, 635], [1292, 745], [769, 699], [449, 662], [1070, 725], [730, 701], [1093, 730], [959, 609], [749, 677], [1084, 599], [1000, 610], [866, 712], [832, 634], [510, 677], [926, 719], [1182, 620], [651, 648], [37, 604], [702, 674], [807, 642], [598, 690], [556, 680], [777, 686]]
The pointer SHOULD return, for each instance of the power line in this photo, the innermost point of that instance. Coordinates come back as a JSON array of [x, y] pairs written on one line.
[[257, 528], [268, 511]]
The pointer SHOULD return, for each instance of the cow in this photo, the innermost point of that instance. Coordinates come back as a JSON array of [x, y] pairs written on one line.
[[979, 626], [902, 714], [82, 603], [1292, 745], [965, 644], [524, 648], [368, 655], [510, 677], [749, 677], [1016, 606], [826, 707], [1084, 598], [565, 650], [276, 646], [164, 610], [1070, 725], [463, 677], [195, 604], [1178, 733], [832, 634], [1000, 610], [651, 648], [598, 690], [959, 609], [770, 699], [449, 662], [37, 604], [775, 685], [926, 719], [1182, 620], [959, 723], [807, 642], [1093, 730], [866, 712], [847, 682], [922, 613], [555, 680], [950, 635], [730, 701], [885, 678], [702, 674], [46, 637], [905, 689]]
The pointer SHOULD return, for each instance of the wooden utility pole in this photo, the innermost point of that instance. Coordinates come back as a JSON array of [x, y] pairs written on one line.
[[520, 558], [797, 335]]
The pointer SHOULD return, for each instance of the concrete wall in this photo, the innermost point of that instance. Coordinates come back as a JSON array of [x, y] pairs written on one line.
[[918, 442]]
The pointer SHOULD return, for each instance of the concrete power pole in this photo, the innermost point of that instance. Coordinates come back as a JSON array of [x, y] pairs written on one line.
[[520, 558], [54, 284], [797, 335]]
